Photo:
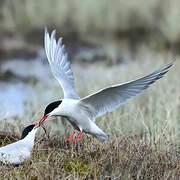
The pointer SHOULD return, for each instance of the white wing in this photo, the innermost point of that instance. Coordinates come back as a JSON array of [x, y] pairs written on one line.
[[106, 100], [60, 64]]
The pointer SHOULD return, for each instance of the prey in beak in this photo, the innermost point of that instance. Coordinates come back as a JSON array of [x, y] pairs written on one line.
[[40, 123]]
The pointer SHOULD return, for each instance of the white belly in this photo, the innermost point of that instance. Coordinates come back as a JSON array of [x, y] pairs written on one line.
[[71, 109], [77, 114]]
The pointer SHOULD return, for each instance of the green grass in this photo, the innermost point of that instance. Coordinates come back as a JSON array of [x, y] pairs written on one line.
[[144, 132]]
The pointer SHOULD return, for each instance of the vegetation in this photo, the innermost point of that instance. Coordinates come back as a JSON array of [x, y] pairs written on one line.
[[144, 133], [156, 17], [121, 157]]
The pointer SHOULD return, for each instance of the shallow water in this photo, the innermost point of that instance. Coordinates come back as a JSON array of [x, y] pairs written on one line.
[[13, 97], [20, 92]]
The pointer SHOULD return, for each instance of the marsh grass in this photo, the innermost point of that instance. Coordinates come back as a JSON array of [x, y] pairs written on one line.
[[92, 17], [124, 157], [144, 132]]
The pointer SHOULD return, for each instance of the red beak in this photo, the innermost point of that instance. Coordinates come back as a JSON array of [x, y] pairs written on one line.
[[43, 119]]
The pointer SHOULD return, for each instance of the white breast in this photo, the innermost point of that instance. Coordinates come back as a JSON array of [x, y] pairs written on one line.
[[18, 152], [14, 153], [68, 107], [71, 108]]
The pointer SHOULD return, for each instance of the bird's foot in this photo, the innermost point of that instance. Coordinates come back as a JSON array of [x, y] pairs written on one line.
[[78, 138], [71, 137]]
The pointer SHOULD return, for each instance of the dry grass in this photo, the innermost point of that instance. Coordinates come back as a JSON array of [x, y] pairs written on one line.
[[90, 16], [119, 158], [144, 133]]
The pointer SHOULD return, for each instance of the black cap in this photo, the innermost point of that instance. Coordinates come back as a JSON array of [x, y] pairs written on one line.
[[50, 107], [27, 130]]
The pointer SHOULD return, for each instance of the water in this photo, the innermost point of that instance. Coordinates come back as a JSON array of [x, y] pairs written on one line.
[[14, 97], [18, 94]]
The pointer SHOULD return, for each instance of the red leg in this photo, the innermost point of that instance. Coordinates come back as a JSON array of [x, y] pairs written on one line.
[[78, 138], [71, 137]]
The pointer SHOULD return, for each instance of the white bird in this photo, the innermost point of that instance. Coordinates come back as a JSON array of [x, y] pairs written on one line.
[[20, 151], [82, 112]]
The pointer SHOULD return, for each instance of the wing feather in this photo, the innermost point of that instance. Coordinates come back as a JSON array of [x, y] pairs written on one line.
[[60, 64], [108, 99]]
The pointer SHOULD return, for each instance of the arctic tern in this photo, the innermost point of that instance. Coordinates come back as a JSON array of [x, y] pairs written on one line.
[[20, 151], [83, 112]]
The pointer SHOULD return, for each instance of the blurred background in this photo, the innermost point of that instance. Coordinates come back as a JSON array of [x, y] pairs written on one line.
[[108, 42]]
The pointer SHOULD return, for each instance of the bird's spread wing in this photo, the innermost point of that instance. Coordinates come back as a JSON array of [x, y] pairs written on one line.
[[60, 64], [106, 100]]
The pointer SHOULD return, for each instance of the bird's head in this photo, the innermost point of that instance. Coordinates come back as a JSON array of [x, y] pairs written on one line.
[[50, 110], [29, 130]]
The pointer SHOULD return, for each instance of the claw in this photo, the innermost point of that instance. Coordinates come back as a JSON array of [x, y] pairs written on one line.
[[71, 137], [78, 138]]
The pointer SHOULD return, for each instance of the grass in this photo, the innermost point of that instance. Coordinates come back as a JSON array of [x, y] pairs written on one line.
[[125, 157], [144, 133], [92, 17]]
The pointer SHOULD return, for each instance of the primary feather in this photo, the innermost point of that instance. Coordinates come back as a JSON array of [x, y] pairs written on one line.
[[108, 99], [60, 64]]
